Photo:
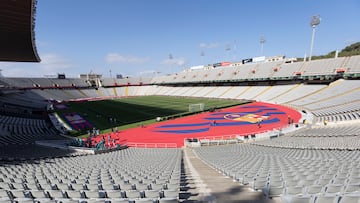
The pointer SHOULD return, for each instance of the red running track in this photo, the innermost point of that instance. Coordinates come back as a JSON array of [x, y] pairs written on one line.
[[240, 120]]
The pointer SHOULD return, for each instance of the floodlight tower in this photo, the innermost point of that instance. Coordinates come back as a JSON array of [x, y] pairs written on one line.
[[234, 50], [202, 54], [262, 42], [171, 63], [315, 21], [227, 49]]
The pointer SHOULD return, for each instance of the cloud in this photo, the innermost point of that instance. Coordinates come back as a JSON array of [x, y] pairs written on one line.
[[40, 43], [50, 64], [118, 58], [349, 42], [10, 71], [209, 45], [174, 61]]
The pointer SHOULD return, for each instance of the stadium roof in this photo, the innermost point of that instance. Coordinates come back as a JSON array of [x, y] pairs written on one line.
[[17, 35]]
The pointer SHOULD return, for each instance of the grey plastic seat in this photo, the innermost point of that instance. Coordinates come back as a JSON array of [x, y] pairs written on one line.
[[333, 189], [4, 185], [306, 182], [276, 183], [275, 192], [55, 194], [46, 186], [62, 186], [31, 186], [292, 183], [339, 180], [67, 201], [168, 200], [173, 186], [77, 186], [144, 201], [353, 188], [259, 184], [109, 186], [170, 194], [152, 194], [93, 194], [37, 195], [91, 187], [323, 181], [301, 199], [17, 186], [126, 186], [119, 201], [4, 196], [140, 186], [73, 194], [350, 199], [294, 190], [93, 201], [113, 194], [132, 194], [327, 199], [354, 180], [157, 187], [314, 189], [18, 196]]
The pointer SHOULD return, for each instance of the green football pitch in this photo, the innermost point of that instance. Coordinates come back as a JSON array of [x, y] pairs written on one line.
[[133, 111]]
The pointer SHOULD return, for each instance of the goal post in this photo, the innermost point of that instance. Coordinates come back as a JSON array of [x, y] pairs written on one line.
[[196, 107]]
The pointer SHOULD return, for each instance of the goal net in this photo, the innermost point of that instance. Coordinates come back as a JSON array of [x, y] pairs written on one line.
[[196, 107]]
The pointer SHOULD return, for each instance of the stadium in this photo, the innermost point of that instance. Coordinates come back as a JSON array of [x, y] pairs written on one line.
[[258, 130]]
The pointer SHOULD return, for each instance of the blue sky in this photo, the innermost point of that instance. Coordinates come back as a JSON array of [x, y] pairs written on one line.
[[136, 37]]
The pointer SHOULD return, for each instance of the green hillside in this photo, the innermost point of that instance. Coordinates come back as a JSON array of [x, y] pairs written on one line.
[[351, 50]]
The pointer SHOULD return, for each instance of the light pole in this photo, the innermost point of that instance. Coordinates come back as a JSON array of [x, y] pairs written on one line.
[[262, 42], [227, 49], [315, 20], [202, 54], [171, 61], [234, 50]]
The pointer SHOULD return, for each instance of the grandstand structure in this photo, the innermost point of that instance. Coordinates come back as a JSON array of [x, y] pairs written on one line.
[[318, 161], [17, 36]]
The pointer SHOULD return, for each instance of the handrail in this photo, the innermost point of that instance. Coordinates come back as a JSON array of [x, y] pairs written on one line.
[[150, 145]]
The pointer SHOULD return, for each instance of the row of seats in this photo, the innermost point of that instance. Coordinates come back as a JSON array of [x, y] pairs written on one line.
[[277, 69], [88, 196], [288, 173], [340, 117], [18, 130], [341, 137], [271, 70], [128, 175], [68, 82]]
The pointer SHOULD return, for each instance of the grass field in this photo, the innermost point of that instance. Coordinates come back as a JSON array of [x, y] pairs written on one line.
[[133, 111]]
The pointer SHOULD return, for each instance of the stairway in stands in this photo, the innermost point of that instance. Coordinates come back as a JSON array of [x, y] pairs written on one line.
[[201, 183]]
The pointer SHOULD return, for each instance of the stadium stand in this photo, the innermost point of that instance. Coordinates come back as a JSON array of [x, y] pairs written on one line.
[[316, 162], [341, 137], [287, 173], [114, 176]]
